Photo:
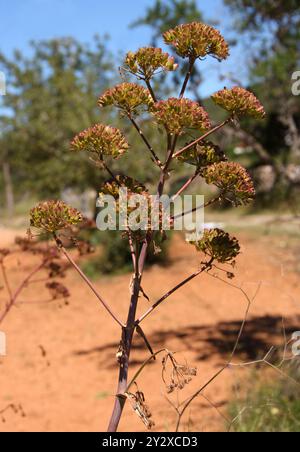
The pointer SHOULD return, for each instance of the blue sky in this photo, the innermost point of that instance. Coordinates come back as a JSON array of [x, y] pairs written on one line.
[[24, 20]]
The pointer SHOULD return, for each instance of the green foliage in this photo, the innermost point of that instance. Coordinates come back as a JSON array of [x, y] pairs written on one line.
[[51, 95], [270, 406], [270, 29], [255, 14], [165, 14], [273, 29], [115, 255]]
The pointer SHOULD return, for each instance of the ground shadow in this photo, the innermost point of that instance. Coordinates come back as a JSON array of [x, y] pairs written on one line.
[[259, 335]]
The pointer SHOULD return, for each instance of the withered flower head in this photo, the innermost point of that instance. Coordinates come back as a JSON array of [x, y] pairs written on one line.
[[139, 406], [203, 155], [178, 376], [239, 102], [196, 40], [218, 245], [57, 290], [179, 115], [52, 216], [233, 180], [101, 140], [128, 97], [25, 243], [147, 61], [3, 253], [84, 247], [56, 269]]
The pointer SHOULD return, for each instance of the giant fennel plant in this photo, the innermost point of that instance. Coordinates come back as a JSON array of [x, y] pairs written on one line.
[[180, 118]]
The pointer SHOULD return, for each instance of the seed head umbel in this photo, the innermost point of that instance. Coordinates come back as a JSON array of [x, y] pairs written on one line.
[[52, 216], [128, 97], [203, 155], [147, 61], [180, 115], [113, 187], [233, 180], [197, 40], [239, 102], [101, 140], [218, 245]]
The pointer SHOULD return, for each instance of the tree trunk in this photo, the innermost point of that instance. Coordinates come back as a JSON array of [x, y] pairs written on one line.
[[9, 193]]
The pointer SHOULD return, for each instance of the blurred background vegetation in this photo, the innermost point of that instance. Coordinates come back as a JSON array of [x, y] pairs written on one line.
[[270, 405]]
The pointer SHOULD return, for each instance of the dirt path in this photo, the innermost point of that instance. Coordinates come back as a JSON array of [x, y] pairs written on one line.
[[6, 236], [70, 387]]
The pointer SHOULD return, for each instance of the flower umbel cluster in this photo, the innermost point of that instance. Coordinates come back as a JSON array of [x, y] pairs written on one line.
[[218, 245], [233, 180], [203, 155], [113, 188], [128, 97], [196, 40], [239, 102], [52, 216], [179, 115], [138, 211], [101, 140], [147, 61], [124, 198]]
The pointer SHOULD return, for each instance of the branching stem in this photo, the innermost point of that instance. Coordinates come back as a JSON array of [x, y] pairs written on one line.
[[203, 137], [86, 280]]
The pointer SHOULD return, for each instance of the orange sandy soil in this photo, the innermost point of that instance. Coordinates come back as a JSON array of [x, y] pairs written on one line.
[[71, 388]]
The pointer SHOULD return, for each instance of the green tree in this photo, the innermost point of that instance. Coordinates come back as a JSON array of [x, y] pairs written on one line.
[[49, 95], [274, 28], [167, 14]]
